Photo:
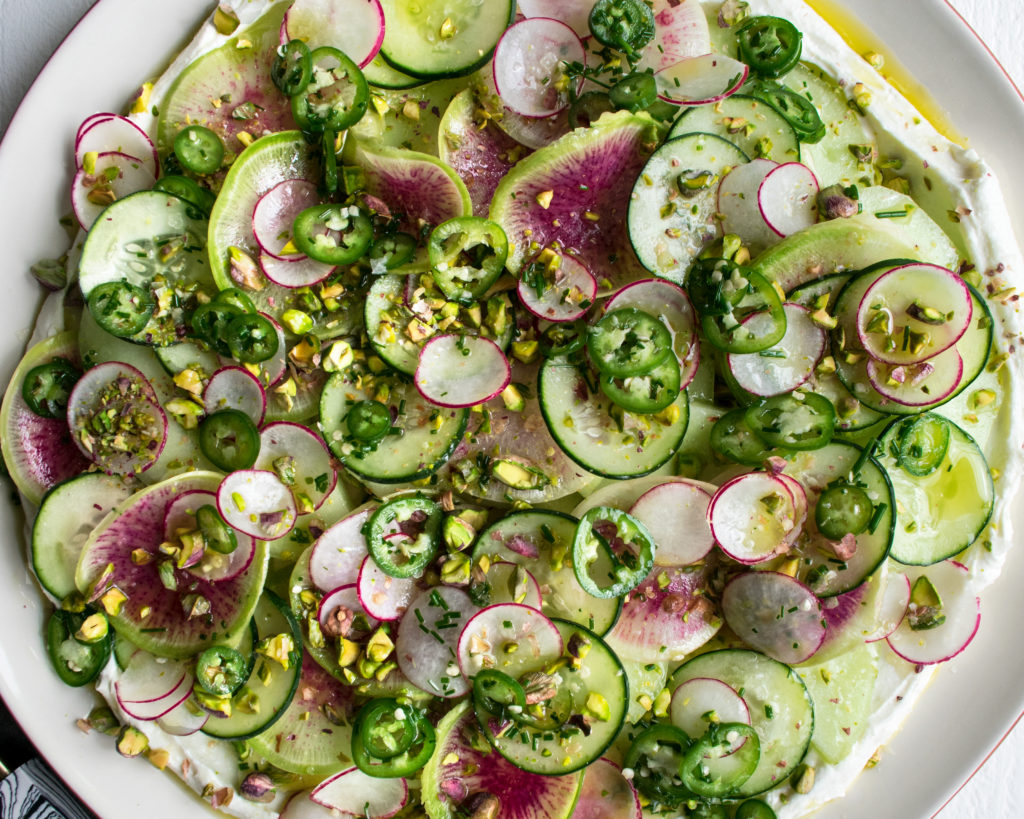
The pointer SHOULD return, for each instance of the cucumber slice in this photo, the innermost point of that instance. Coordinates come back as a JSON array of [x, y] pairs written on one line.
[[674, 203], [942, 513], [386, 122], [541, 542], [443, 40], [751, 125], [781, 710]]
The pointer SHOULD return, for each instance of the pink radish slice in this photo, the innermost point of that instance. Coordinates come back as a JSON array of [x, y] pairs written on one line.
[[102, 133], [961, 607], [788, 198], [676, 514], [698, 702], [531, 132], [775, 614], [893, 607], [148, 678], [917, 385], [118, 387], [295, 271], [489, 633], [752, 516], [183, 720], [574, 13], [461, 371], [567, 294], [339, 552], [701, 80], [788, 364], [115, 175], [893, 304], [528, 66], [217, 568], [680, 32], [276, 367], [257, 503], [737, 202], [799, 495], [511, 583], [356, 27], [275, 212], [666, 617], [606, 794], [181, 512], [88, 122], [315, 476], [354, 793], [426, 657], [381, 595], [236, 388], [150, 711], [346, 597]]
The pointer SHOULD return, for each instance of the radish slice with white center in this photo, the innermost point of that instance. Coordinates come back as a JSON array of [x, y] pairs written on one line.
[[257, 503], [428, 636], [355, 27], [88, 122], [775, 614], [113, 176], [921, 384], [680, 31], [676, 515], [565, 296], [703, 700], [347, 600], [892, 608], [574, 13], [354, 793], [788, 198], [236, 388], [960, 606], [183, 720], [295, 452], [293, 272], [216, 567], [508, 637], [148, 678], [150, 711], [339, 552], [799, 495], [181, 513], [276, 367], [737, 202], [752, 516], [701, 80], [913, 312], [461, 371], [381, 595], [103, 133], [275, 213], [529, 66], [511, 583], [605, 792], [785, 366]]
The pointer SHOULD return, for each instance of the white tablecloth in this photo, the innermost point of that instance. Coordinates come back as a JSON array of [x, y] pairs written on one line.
[[32, 29]]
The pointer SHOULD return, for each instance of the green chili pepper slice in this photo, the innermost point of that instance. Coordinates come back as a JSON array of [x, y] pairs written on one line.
[[221, 670], [121, 308], [336, 96], [46, 388], [588, 107], [234, 297], [229, 439], [332, 234], [210, 322], [218, 535], [393, 250], [714, 767], [252, 338], [403, 534], [634, 92], [187, 189], [76, 662], [406, 762], [292, 68], [626, 25], [920, 444], [385, 728], [467, 255], [801, 421], [730, 334], [797, 110], [655, 757], [843, 509], [648, 392], [733, 438], [494, 692], [612, 552], [199, 149], [755, 809], [628, 342], [771, 46], [563, 339], [368, 421]]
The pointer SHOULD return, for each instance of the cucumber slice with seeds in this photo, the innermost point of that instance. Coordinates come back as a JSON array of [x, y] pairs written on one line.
[[751, 125]]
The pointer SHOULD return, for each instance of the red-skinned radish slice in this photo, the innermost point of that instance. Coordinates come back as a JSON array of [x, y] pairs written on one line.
[[346, 600], [301, 459], [676, 515], [737, 202], [528, 131], [119, 388], [276, 367], [788, 198], [700, 701], [913, 312], [338, 554], [509, 637], [102, 133], [183, 720], [257, 503], [355, 27], [566, 294], [606, 794], [680, 31], [461, 371], [787, 365], [959, 604], [275, 212], [148, 678], [216, 567], [354, 793], [181, 512], [752, 517], [921, 384], [701, 80], [150, 711], [775, 614], [425, 653], [111, 176], [381, 595], [511, 583], [893, 606], [295, 271], [236, 388], [574, 13], [798, 493], [528, 66]]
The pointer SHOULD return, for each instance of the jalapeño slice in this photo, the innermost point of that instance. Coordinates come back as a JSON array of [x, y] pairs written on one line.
[[77, 662], [626, 25], [612, 552], [648, 392], [121, 308], [369, 725], [403, 534], [563, 339], [336, 95], [728, 331], [628, 342], [771, 46], [221, 670], [332, 234], [796, 420], [229, 439], [46, 388], [843, 509], [795, 108], [656, 757], [385, 728], [704, 777], [921, 443], [218, 535], [634, 92], [199, 149], [251, 338], [497, 695], [733, 438], [467, 254], [392, 251], [368, 421], [292, 68]]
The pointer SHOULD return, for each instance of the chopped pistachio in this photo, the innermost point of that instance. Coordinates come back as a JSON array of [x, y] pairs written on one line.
[[278, 648], [131, 742], [380, 646], [513, 398], [458, 533], [544, 198], [225, 20], [456, 570], [297, 321], [93, 629], [113, 600]]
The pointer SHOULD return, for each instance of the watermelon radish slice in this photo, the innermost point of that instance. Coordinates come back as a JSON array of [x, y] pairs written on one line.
[[893, 606], [339, 552], [236, 388], [665, 617], [257, 503], [788, 198], [112, 176], [606, 793], [461, 371], [37, 451], [346, 597], [148, 678], [700, 701], [296, 451], [511, 583], [355, 27], [793, 359], [103, 133], [752, 516], [528, 60], [775, 614], [574, 13], [701, 80], [676, 515], [510, 637], [354, 793], [275, 213], [183, 720], [153, 710], [737, 202], [425, 653], [576, 191], [381, 595], [920, 384], [680, 32], [565, 294], [850, 617]]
